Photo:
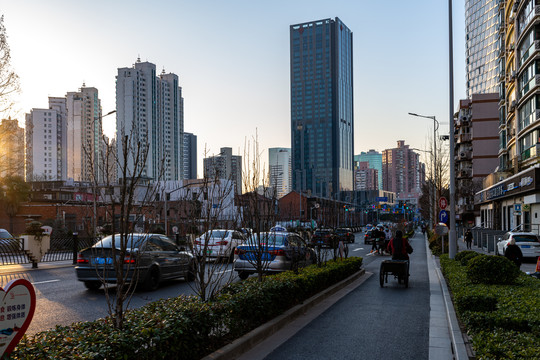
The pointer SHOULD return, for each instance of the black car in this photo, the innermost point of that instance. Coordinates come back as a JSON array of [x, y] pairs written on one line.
[[150, 258], [323, 237], [345, 235]]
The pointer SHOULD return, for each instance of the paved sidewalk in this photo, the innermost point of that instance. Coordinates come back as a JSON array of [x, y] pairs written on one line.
[[9, 269]]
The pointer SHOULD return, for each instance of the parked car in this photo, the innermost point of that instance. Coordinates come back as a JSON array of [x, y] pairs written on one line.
[[8, 242], [279, 251], [218, 244], [323, 237], [345, 234], [150, 258], [528, 242]]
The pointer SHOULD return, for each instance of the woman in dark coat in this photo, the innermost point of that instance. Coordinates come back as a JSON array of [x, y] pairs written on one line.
[[513, 253], [399, 247]]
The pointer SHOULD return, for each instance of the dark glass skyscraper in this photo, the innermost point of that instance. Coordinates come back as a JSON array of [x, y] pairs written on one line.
[[322, 107]]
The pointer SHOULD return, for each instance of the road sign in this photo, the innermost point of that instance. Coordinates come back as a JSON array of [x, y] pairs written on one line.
[[382, 199], [443, 216], [443, 203]]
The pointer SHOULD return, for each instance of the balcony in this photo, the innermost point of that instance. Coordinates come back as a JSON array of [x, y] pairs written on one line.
[[530, 153]]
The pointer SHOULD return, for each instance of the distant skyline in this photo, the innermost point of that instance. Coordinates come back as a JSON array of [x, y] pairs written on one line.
[[232, 59]]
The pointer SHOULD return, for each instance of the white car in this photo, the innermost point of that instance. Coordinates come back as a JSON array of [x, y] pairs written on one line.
[[218, 244], [527, 241]]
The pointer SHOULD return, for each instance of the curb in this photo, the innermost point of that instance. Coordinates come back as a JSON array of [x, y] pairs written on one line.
[[254, 337]]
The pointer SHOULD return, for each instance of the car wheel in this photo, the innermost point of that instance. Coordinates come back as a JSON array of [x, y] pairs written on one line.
[[190, 274], [243, 275], [92, 285], [151, 282]]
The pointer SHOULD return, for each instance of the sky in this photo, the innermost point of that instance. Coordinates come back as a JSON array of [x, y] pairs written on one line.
[[232, 59]]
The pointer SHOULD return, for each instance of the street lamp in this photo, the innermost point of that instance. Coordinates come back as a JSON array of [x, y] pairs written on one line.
[[435, 128]]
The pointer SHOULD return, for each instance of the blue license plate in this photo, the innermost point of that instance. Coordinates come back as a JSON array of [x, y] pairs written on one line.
[[102, 261], [525, 246]]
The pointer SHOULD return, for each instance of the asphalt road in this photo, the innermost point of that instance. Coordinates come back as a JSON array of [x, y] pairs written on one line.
[[63, 300], [370, 322]]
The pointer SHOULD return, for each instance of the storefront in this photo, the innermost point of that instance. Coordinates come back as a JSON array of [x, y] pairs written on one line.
[[513, 203]]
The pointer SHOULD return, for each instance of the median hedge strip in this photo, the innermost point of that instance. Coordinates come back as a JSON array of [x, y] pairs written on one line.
[[184, 327], [502, 320]]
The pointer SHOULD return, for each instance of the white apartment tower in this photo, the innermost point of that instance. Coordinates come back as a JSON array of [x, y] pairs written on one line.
[[45, 133], [84, 135], [279, 160], [150, 117]]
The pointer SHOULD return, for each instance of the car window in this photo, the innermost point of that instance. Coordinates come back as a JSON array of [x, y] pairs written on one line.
[[4, 234], [133, 241], [153, 244], [167, 244], [506, 236], [525, 238]]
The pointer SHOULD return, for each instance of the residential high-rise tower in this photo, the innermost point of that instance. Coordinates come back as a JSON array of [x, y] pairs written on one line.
[[150, 117], [279, 160]]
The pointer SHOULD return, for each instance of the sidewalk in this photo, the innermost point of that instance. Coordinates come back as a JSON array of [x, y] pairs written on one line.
[[9, 269]]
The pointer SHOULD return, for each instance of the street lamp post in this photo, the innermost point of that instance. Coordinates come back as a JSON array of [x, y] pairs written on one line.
[[435, 128], [432, 197]]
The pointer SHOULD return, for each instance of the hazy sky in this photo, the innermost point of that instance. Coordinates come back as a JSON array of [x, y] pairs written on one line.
[[232, 58]]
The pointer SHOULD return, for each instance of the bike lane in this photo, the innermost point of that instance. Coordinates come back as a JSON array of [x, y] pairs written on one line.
[[371, 322]]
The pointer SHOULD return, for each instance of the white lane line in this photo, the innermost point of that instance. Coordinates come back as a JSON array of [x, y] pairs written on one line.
[[358, 249], [222, 272], [45, 282]]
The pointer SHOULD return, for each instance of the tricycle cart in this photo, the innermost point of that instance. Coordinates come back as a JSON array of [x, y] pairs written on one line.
[[398, 268]]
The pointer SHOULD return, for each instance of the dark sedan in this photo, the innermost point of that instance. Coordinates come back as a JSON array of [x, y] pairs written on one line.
[[149, 259], [323, 237], [345, 235]]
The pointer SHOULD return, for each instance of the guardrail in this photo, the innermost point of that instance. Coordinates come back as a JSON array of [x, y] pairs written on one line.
[[12, 251]]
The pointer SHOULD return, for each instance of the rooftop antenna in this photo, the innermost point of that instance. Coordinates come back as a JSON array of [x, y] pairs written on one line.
[[139, 58]]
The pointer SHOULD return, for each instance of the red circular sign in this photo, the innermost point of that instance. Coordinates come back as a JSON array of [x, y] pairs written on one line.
[[443, 203]]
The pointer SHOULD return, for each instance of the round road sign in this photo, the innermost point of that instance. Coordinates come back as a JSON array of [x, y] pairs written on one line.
[[443, 203]]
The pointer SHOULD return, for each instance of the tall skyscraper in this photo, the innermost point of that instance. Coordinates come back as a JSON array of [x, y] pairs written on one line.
[[322, 124], [402, 172], [224, 166], [12, 149], [84, 135], [482, 27], [150, 114], [46, 141], [279, 160], [374, 158], [190, 156]]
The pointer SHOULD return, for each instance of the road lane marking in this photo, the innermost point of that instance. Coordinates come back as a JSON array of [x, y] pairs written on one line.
[[222, 272], [358, 249], [45, 282]]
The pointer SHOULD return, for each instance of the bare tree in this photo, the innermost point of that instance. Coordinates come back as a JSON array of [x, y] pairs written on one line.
[[213, 213], [9, 81]]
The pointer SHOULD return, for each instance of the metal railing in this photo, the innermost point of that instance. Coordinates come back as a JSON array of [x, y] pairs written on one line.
[[487, 239], [12, 251]]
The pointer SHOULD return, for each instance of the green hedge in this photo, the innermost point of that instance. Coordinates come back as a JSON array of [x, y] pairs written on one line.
[[184, 327], [502, 320]]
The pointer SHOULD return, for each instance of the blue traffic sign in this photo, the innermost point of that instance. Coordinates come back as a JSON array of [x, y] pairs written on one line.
[[382, 198], [443, 216]]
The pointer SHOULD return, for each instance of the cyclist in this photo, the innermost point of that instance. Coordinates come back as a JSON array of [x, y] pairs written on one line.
[[399, 247]]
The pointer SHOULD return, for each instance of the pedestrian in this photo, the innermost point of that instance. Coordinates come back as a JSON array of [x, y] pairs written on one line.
[[468, 238], [399, 247], [374, 237], [423, 229], [387, 237], [513, 253]]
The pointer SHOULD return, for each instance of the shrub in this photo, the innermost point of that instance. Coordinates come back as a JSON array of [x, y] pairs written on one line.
[[489, 269], [476, 302], [465, 256], [184, 327]]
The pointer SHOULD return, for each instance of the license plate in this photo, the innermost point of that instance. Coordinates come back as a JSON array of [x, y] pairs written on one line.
[[102, 261], [525, 246]]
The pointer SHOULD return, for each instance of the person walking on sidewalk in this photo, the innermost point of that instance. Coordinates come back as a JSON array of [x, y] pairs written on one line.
[[468, 238], [513, 253]]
